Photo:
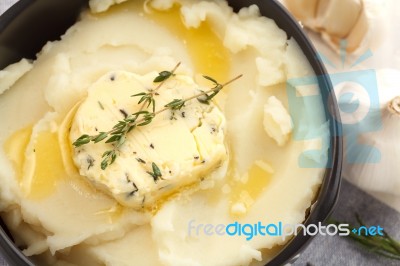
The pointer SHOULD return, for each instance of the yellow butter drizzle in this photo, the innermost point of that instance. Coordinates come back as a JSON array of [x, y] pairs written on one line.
[[76, 180], [205, 48], [15, 147], [48, 166], [207, 51], [52, 165], [251, 185]]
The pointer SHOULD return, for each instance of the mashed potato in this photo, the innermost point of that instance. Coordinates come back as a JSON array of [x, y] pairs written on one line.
[[62, 209]]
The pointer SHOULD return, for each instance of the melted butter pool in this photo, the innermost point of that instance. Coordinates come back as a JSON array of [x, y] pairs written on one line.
[[48, 166], [209, 55], [52, 168], [205, 48], [15, 148], [250, 186]]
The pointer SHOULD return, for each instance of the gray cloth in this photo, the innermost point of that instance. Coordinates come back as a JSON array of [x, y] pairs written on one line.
[[335, 250]]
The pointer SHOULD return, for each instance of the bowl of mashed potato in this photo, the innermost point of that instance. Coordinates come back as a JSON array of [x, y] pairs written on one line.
[[162, 132]]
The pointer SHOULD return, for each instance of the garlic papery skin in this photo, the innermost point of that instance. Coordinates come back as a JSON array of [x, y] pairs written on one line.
[[394, 106], [335, 21], [304, 11], [372, 145]]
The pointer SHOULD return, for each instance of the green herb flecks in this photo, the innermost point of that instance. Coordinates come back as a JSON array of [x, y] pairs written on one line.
[[156, 173], [163, 75], [176, 104], [117, 135], [90, 161], [207, 97], [108, 158], [204, 97], [147, 98]]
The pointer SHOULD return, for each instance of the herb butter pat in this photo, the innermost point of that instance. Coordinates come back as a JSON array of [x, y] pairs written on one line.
[[178, 148]]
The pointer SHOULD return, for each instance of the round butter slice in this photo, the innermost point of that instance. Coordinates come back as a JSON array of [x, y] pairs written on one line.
[[186, 145]]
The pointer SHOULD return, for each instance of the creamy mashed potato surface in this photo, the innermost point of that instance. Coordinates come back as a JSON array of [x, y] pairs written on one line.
[[234, 160]]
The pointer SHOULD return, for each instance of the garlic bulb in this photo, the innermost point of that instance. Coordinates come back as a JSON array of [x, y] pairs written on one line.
[[372, 133], [335, 20]]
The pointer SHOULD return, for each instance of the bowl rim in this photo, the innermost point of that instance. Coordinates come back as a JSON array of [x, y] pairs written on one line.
[[328, 193]]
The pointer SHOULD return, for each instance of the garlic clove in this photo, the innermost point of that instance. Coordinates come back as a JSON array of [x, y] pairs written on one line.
[[372, 145], [338, 17], [380, 151], [355, 39], [335, 20], [394, 106], [358, 35], [304, 10]]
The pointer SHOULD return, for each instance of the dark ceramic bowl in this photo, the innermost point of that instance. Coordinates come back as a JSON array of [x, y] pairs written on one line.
[[29, 24]]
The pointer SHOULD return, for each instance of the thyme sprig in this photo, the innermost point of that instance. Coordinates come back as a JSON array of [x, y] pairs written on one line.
[[117, 135], [147, 98], [207, 97], [383, 245], [203, 97]]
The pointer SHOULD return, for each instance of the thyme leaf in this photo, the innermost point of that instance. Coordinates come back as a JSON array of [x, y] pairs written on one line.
[[156, 173], [210, 79], [163, 75], [100, 137], [147, 99], [108, 159], [205, 98], [82, 140], [176, 104]]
